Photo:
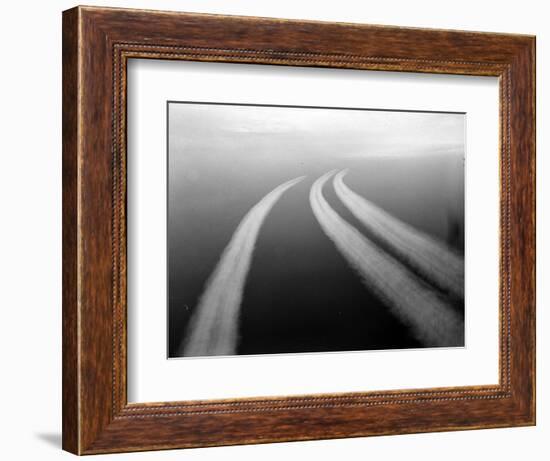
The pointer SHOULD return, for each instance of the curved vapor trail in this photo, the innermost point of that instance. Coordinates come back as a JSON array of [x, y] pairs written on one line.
[[432, 322], [430, 258], [213, 328]]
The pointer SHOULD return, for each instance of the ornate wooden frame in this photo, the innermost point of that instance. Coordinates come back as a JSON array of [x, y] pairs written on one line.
[[97, 43]]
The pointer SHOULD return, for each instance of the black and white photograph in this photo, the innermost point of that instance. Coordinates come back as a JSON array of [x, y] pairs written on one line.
[[313, 229]]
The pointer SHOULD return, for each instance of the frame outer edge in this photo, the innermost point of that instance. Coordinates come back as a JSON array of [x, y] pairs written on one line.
[[534, 213], [70, 234], [532, 55], [523, 233]]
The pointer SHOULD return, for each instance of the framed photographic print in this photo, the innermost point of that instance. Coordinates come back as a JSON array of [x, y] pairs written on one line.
[[282, 230]]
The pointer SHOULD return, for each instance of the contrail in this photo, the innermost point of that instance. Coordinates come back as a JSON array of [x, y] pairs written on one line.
[[432, 322], [429, 257], [213, 328]]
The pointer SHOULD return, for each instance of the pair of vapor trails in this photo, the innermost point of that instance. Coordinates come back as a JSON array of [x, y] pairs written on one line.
[[213, 328]]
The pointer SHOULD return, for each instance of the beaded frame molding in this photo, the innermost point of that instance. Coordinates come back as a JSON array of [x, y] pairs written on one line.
[[97, 43]]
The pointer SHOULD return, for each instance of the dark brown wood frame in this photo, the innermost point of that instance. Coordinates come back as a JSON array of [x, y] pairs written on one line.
[[97, 43]]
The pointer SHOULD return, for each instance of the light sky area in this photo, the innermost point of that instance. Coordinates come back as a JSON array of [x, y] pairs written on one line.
[[349, 133]]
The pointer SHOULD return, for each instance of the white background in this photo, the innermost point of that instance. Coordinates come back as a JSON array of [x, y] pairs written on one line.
[[153, 378], [30, 243]]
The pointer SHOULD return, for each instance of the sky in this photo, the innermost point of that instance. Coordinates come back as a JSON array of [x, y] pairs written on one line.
[[348, 133]]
